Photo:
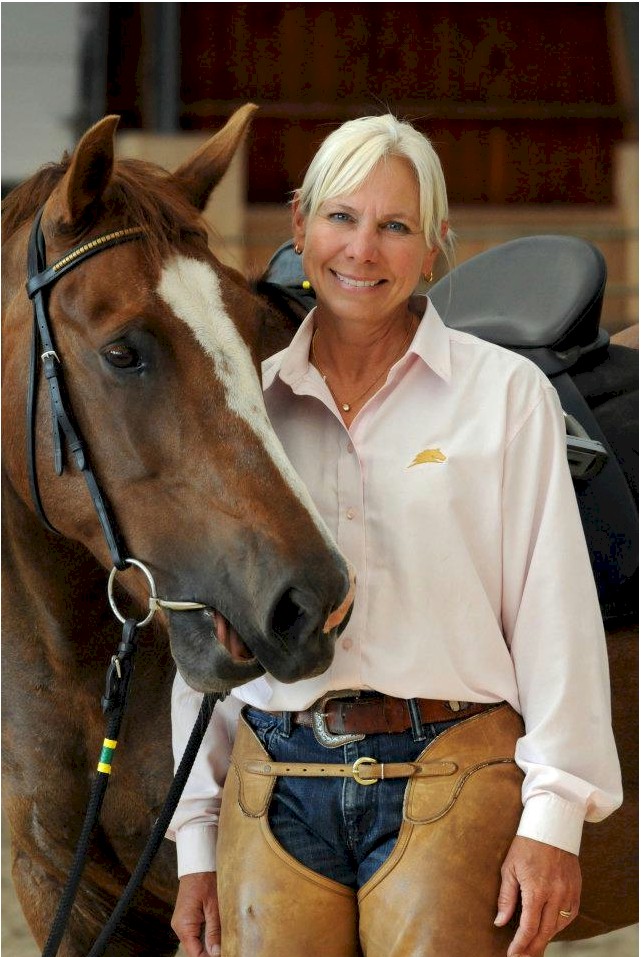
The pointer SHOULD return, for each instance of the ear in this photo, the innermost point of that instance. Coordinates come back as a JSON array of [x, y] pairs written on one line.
[[198, 176], [88, 175], [428, 262], [298, 223]]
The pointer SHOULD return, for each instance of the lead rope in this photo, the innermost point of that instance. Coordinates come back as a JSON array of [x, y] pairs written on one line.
[[117, 685], [117, 682], [162, 823], [113, 705]]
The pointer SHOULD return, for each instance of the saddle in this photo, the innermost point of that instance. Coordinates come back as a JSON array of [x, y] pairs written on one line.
[[540, 296]]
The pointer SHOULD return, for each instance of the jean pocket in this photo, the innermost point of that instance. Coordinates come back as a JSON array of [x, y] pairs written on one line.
[[265, 726]]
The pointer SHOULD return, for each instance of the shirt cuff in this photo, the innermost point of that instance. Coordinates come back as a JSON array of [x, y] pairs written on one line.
[[196, 849], [553, 820]]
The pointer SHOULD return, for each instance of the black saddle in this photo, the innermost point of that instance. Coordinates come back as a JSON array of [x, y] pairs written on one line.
[[540, 296]]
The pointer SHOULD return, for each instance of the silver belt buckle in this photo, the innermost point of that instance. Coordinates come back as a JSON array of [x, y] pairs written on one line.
[[319, 721]]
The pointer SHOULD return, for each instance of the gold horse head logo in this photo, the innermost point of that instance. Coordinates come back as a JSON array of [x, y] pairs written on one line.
[[428, 455]]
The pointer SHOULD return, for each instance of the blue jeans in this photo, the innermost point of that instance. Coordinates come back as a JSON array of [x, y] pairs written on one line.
[[336, 826]]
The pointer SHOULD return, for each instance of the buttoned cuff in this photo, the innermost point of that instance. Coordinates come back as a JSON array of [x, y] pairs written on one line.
[[553, 820], [196, 849]]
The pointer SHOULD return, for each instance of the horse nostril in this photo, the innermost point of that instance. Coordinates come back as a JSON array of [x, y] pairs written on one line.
[[289, 618]]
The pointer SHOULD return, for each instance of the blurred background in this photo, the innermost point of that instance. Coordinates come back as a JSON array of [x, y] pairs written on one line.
[[532, 107]]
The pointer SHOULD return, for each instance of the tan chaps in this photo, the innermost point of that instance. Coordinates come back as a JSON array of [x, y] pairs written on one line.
[[435, 896]]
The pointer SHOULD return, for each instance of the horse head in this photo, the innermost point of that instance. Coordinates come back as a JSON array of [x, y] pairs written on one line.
[[160, 349]]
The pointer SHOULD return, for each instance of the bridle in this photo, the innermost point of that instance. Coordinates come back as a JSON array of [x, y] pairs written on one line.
[[64, 427], [66, 433], [40, 280]]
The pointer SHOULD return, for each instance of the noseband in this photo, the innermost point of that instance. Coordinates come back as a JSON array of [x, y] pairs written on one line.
[[65, 430]]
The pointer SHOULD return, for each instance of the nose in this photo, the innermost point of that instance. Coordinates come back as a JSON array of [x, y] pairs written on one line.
[[302, 634], [363, 244]]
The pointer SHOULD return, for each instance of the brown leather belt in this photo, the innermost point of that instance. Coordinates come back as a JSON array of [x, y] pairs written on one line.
[[346, 713]]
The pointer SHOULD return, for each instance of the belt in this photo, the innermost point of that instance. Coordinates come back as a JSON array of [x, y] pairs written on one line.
[[363, 771], [342, 716]]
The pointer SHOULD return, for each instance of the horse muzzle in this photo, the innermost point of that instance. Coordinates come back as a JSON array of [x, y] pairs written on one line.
[[216, 649]]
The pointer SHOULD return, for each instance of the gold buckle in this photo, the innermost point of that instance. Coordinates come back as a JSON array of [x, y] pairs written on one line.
[[356, 767]]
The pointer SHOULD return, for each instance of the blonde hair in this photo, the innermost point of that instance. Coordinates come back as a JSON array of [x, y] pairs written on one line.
[[349, 154]]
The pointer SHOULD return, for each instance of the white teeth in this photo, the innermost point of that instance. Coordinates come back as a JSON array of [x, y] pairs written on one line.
[[356, 282]]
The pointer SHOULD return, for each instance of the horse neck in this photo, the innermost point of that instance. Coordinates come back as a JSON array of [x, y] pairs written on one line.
[[56, 589]]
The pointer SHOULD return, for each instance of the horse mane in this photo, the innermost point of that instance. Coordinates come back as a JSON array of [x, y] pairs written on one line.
[[20, 205], [139, 194]]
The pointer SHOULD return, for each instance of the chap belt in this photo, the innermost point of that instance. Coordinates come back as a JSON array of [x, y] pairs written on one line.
[[380, 714]]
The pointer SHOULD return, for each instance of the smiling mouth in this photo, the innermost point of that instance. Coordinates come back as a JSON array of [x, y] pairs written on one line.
[[229, 639], [357, 283]]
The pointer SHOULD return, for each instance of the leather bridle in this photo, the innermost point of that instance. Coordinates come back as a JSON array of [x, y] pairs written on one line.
[[40, 280], [65, 431], [64, 427]]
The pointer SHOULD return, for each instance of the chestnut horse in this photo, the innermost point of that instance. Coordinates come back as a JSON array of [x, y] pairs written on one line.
[[160, 348]]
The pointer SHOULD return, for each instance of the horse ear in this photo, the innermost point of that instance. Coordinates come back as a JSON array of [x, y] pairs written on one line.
[[89, 173], [198, 175]]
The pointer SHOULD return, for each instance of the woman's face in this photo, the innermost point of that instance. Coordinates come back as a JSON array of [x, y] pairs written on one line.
[[364, 252]]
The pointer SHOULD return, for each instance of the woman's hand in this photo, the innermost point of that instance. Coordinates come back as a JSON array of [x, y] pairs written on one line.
[[197, 910], [549, 881]]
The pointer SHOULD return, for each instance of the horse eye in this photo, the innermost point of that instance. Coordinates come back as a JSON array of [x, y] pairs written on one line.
[[122, 356]]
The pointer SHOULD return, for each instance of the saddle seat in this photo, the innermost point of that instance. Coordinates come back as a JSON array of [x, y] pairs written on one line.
[[541, 296]]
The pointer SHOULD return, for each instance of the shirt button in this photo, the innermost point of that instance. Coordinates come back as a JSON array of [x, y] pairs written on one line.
[[351, 512], [350, 447], [347, 643]]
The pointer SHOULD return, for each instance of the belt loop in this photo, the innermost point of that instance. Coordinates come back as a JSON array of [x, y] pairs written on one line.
[[415, 717], [287, 724]]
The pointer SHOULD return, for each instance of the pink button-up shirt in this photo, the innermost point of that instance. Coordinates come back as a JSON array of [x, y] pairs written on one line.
[[450, 494]]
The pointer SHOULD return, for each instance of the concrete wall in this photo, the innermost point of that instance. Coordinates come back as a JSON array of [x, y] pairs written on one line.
[[40, 83]]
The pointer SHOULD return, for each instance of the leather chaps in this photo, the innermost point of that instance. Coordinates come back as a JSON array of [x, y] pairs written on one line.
[[436, 894]]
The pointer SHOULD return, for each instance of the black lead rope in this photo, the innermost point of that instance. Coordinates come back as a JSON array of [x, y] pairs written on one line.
[[113, 705], [117, 685], [162, 823]]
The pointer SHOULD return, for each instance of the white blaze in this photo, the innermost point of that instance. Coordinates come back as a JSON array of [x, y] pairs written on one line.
[[192, 291]]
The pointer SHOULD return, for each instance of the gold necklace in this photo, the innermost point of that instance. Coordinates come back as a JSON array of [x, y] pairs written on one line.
[[347, 406]]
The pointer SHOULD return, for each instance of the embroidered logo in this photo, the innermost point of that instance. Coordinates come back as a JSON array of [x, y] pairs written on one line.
[[428, 455]]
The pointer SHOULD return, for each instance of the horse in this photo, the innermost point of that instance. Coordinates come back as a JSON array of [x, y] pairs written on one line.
[[160, 347]]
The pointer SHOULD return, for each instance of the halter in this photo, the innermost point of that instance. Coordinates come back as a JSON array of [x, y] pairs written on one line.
[[65, 430]]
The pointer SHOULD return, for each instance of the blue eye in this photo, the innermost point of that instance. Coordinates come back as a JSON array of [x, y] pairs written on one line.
[[396, 227], [339, 217]]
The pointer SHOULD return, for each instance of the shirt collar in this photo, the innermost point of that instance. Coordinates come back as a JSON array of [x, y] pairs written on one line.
[[431, 343], [292, 363]]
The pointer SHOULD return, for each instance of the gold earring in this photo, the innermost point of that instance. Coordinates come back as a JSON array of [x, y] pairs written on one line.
[[298, 250], [428, 279]]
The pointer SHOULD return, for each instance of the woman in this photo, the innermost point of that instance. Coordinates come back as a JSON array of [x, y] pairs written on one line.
[[439, 463]]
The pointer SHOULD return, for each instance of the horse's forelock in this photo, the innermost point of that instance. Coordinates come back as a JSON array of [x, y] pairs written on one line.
[[144, 195]]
